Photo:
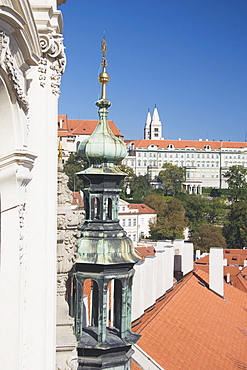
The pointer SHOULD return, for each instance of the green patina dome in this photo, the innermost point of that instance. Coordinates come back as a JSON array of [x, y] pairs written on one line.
[[102, 147]]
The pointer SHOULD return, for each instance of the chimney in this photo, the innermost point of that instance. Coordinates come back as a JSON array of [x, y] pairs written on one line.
[[198, 254], [216, 271]]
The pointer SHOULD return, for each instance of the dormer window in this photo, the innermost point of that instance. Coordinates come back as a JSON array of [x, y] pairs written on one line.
[[170, 146], [207, 147]]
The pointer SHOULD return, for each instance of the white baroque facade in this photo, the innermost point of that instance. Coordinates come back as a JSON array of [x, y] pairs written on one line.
[[205, 161], [135, 219], [32, 61]]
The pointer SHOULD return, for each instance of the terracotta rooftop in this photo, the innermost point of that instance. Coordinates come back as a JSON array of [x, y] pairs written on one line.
[[134, 365], [183, 144], [143, 252], [72, 127], [142, 208], [193, 328]]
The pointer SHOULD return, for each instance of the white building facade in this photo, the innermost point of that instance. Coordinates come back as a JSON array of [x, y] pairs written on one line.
[[205, 161], [32, 61], [135, 219]]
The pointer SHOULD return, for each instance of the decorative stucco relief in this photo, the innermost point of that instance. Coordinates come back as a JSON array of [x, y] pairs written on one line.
[[7, 63], [68, 222], [60, 2], [53, 51]]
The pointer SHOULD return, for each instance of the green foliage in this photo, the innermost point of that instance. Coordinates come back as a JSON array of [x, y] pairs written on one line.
[[73, 165], [140, 187], [157, 203], [171, 178], [126, 181], [171, 221], [207, 236], [236, 180], [235, 229], [200, 210]]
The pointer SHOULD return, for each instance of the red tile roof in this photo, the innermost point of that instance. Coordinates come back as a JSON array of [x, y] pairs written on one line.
[[142, 208], [134, 365], [72, 127], [143, 252], [193, 328], [183, 144]]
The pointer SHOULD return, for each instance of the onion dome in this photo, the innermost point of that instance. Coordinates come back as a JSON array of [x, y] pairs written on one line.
[[103, 148]]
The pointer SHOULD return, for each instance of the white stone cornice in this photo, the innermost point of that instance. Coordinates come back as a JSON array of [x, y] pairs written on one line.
[[20, 157]]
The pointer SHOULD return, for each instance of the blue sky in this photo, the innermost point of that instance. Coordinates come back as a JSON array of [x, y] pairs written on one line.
[[189, 57]]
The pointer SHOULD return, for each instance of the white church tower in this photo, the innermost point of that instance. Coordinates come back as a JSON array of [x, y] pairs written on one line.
[[153, 126], [147, 126]]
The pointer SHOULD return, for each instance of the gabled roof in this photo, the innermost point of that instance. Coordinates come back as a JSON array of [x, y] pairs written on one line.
[[183, 144], [72, 127], [193, 328]]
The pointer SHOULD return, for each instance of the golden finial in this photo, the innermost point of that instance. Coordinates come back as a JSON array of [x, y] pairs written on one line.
[[103, 77], [103, 46]]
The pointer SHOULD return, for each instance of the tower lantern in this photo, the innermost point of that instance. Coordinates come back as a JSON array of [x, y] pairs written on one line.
[[104, 267]]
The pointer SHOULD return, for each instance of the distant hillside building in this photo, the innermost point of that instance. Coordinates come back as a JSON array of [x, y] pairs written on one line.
[[205, 161], [72, 131], [135, 219]]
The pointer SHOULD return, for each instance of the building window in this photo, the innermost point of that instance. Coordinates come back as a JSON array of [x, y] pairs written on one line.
[[188, 155], [156, 135], [134, 237], [139, 154], [144, 154], [134, 222], [198, 155], [176, 155], [129, 222], [156, 129], [123, 222], [192, 155], [139, 163], [170, 155], [159, 154], [203, 156], [165, 155], [212, 156], [123, 209], [145, 163], [132, 163]]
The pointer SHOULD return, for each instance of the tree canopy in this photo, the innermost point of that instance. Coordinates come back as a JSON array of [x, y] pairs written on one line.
[[235, 229], [73, 165], [171, 221], [236, 180], [207, 236], [171, 178]]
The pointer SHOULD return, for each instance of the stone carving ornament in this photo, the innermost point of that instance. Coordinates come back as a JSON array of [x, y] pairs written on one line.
[[53, 50], [7, 63]]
